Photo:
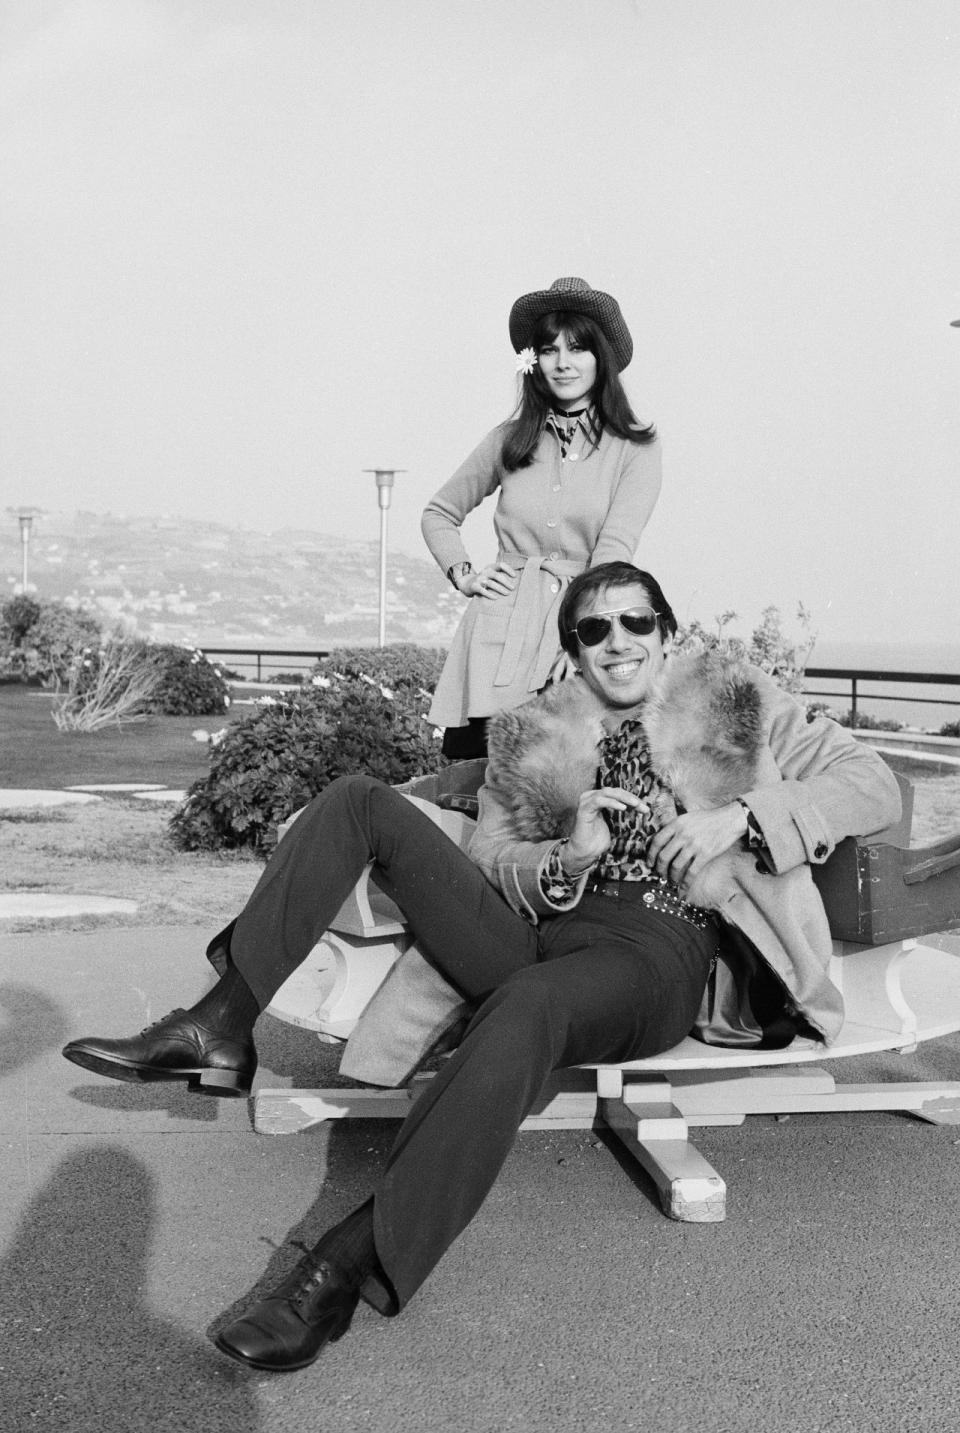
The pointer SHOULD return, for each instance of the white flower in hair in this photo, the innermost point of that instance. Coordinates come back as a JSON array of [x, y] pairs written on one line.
[[526, 360]]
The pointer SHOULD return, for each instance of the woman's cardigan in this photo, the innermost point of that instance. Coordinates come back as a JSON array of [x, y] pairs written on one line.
[[552, 520]]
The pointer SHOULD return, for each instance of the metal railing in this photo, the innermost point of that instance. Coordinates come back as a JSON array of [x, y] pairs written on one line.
[[853, 676], [856, 675], [312, 654]]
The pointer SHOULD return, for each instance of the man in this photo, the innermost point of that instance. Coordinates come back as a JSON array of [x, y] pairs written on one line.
[[576, 948]]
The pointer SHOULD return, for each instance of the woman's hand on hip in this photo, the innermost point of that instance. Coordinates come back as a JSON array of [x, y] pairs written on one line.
[[590, 836], [493, 581]]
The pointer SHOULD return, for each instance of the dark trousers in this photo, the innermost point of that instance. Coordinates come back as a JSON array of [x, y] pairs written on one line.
[[612, 980]]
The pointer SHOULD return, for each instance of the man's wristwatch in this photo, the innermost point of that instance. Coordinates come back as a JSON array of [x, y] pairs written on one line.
[[458, 571]]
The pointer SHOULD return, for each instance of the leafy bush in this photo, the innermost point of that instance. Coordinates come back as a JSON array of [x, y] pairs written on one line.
[[189, 684], [866, 722], [402, 665], [782, 657], [17, 615], [269, 764], [40, 639], [950, 728]]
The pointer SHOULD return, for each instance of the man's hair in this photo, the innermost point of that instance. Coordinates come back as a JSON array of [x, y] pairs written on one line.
[[610, 574]]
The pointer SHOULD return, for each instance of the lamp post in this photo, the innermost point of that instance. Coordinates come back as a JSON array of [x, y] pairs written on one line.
[[25, 520], [384, 478]]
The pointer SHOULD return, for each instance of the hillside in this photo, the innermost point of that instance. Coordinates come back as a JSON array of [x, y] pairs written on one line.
[[181, 580]]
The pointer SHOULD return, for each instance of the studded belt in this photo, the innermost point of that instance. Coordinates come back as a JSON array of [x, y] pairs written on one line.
[[655, 893]]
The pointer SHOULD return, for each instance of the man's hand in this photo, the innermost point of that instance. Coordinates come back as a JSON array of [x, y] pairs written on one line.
[[591, 834], [682, 848]]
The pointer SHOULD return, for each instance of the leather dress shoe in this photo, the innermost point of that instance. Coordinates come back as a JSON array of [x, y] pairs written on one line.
[[177, 1047], [289, 1328]]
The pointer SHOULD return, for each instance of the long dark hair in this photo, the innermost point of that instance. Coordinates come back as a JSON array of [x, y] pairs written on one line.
[[611, 409]]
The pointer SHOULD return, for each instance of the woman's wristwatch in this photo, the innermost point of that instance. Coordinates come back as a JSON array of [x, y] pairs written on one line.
[[458, 571]]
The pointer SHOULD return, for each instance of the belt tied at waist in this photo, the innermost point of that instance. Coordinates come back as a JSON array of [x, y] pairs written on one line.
[[527, 616], [655, 893]]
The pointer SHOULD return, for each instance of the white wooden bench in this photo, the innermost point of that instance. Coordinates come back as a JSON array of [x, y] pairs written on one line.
[[880, 898]]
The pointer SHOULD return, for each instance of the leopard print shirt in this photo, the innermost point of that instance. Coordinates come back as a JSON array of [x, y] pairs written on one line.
[[625, 761]]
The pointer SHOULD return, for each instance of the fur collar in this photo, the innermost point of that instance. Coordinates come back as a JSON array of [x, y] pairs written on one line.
[[706, 729]]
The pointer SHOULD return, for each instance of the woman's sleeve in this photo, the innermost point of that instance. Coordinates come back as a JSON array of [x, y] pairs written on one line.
[[633, 501], [473, 481]]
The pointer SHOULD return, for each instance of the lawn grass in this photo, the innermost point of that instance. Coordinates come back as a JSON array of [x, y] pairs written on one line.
[[117, 846], [160, 749]]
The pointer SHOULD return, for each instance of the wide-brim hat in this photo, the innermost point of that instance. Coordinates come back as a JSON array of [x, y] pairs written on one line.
[[572, 296]]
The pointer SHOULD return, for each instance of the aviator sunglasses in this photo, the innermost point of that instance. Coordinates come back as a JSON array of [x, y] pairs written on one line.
[[638, 621]]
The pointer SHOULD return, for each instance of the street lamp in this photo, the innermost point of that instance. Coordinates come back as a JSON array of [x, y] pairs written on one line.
[[25, 519], [384, 479]]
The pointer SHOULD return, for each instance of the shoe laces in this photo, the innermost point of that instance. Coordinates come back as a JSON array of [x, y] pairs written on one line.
[[162, 1021], [306, 1277]]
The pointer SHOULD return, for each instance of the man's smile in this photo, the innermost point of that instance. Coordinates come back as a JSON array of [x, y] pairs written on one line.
[[625, 669]]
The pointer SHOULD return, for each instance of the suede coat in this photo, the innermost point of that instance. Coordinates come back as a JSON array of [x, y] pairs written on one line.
[[716, 730]]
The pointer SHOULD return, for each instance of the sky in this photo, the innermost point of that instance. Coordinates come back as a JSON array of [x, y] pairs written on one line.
[[251, 248]]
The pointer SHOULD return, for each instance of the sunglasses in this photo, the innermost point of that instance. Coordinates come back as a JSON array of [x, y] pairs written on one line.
[[638, 621]]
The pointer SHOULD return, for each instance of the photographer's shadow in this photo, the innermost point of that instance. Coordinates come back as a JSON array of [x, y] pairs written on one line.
[[83, 1351]]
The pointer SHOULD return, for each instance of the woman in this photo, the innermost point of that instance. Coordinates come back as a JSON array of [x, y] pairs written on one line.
[[578, 479]]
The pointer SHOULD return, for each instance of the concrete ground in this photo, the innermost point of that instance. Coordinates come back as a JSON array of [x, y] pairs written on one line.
[[134, 1219]]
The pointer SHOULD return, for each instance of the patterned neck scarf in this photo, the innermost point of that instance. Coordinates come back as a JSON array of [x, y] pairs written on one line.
[[625, 761]]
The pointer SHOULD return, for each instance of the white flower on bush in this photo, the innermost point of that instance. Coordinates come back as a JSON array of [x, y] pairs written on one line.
[[384, 691], [216, 737], [201, 735], [324, 682]]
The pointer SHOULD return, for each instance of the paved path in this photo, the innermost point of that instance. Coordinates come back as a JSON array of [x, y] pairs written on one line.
[[132, 1218]]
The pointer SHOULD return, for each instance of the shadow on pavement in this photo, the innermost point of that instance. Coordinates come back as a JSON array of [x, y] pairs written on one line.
[[31, 1023], [83, 1351]]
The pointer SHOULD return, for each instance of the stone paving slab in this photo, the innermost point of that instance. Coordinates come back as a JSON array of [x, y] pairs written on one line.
[[16, 799], [17, 905]]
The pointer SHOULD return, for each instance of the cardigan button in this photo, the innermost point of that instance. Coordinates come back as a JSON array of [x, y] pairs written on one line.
[[553, 556], [820, 850], [554, 586], [573, 457]]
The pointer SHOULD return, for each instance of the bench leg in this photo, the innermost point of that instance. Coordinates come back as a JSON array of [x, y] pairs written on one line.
[[690, 1189]]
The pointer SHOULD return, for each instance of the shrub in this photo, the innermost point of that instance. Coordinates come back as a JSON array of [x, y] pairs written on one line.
[[40, 639], [782, 657], [17, 615], [113, 683], [269, 764], [950, 728], [401, 665], [866, 722], [189, 684]]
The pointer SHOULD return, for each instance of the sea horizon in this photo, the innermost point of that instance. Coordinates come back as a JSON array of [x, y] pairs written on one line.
[[874, 699]]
